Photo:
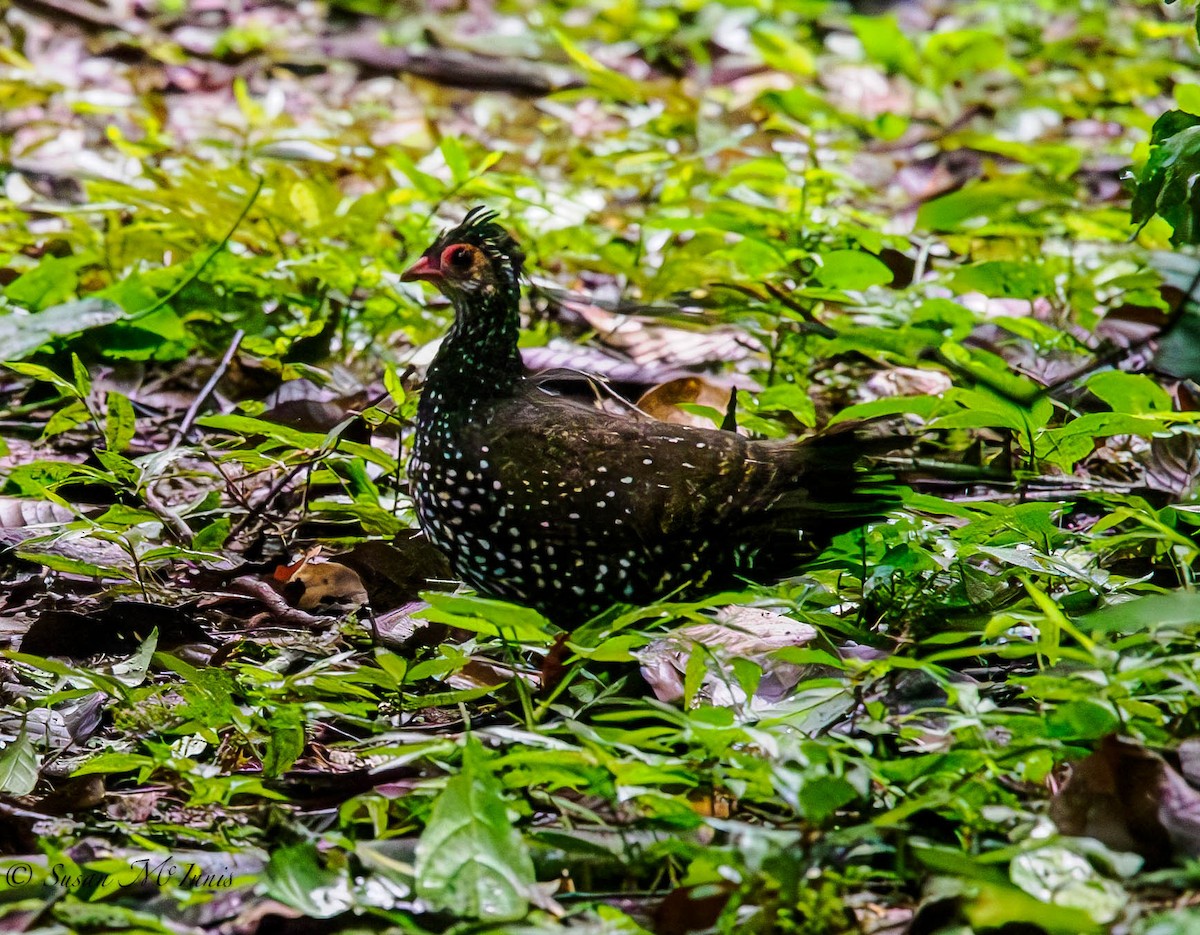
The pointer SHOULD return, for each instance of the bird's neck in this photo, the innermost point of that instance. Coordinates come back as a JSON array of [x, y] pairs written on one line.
[[478, 359]]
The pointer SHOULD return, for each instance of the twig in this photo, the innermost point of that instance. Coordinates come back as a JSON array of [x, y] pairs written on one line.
[[88, 15], [179, 529], [451, 67], [271, 494], [189, 417]]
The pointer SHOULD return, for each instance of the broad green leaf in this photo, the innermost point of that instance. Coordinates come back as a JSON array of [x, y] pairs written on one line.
[[83, 379], [923, 406], [885, 42], [790, 398], [693, 676], [821, 796], [603, 79], [50, 283], [305, 202], [1082, 719], [21, 335], [1174, 609], [296, 878], [1064, 446], [456, 159], [1166, 184], [780, 49], [132, 671], [851, 269], [19, 765], [489, 617], [212, 537], [972, 207], [1025, 279], [66, 418], [1062, 877], [471, 860], [1135, 393]]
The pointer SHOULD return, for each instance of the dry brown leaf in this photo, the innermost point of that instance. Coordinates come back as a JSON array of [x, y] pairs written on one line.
[[743, 632], [22, 514], [1173, 464], [664, 402], [647, 341], [395, 573], [905, 381], [324, 587], [1130, 799]]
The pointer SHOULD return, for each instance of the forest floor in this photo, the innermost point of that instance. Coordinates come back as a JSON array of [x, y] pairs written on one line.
[[236, 694]]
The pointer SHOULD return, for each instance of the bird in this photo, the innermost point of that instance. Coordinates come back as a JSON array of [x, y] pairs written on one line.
[[560, 506]]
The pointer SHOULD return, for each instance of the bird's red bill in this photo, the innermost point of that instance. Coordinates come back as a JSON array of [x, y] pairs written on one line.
[[425, 268]]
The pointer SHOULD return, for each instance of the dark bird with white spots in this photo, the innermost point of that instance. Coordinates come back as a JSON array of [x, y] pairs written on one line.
[[568, 509]]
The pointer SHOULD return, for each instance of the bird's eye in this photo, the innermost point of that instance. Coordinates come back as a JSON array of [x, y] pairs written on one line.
[[459, 258]]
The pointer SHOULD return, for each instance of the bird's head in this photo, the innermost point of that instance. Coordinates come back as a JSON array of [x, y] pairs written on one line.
[[479, 257]]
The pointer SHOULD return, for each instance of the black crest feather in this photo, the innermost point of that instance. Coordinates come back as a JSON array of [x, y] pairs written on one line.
[[479, 228]]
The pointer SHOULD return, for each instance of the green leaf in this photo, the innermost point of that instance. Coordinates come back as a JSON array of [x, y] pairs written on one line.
[[489, 617], [1187, 96], [922, 406], [1060, 876], [1064, 446], [603, 79], [1177, 609], [21, 335], [212, 537], [66, 418], [19, 766], [285, 741], [51, 282], [471, 860], [1082, 719], [790, 398], [1018, 279], [1135, 393], [970, 208], [693, 675], [852, 269], [885, 42], [132, 671], [980, 408], [45, 374], [120, 424], [821, 796], [1167, 183], [296, 878], [778, 46], [83, 379], [456, 159]]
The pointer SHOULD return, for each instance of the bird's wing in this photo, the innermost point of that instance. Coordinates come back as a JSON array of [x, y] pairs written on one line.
[[661, 481]]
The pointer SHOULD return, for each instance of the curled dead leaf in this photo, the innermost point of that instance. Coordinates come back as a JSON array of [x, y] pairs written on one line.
[[327, 588], [665, 402], [16, 513]]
